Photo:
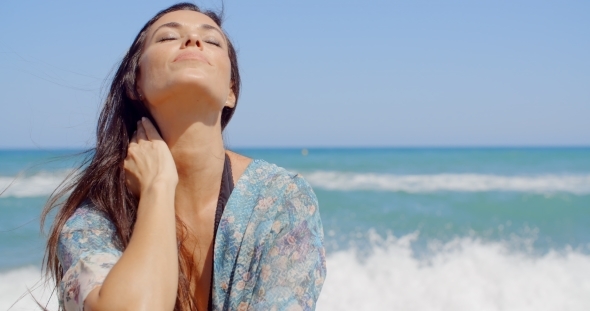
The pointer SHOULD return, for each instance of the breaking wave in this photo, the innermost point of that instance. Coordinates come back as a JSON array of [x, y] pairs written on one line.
[[40, 184], [44, 183], [19, 288], [464, 274], [575, 184]]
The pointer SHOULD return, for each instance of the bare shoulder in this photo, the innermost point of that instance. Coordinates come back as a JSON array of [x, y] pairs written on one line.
[[239, 163]]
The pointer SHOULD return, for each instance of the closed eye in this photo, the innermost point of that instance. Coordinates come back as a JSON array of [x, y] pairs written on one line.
[[166, 39], [213, 42]]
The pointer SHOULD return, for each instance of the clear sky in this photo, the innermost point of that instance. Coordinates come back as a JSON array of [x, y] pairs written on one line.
[[323, 73]]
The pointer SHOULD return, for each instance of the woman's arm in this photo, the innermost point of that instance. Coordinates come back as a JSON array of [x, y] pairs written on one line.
[[146, 275]]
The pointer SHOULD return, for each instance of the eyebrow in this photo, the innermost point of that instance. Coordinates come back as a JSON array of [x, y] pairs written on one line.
[[178, 25]]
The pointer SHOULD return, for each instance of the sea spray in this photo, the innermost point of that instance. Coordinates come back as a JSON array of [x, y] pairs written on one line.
[[463, 274], [22, 288]]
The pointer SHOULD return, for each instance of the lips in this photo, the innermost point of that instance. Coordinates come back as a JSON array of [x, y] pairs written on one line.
[[191, 55]]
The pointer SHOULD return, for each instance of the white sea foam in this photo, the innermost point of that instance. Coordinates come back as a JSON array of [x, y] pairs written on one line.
[[464, 274], [545, 184], [40, 184], [15, 286]]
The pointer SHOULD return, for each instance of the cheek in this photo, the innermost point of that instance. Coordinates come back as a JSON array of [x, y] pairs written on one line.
[[151, 66], [224, 71]]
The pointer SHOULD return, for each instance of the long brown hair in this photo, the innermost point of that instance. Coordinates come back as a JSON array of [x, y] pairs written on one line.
[[101, 178]]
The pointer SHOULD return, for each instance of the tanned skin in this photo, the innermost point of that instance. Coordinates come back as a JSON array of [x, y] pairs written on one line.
[[185, 83]]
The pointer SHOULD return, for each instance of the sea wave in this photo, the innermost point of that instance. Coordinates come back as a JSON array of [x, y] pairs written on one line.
[[544, 184], [44, 183], [39, 184], [463, 274], [21, 289]]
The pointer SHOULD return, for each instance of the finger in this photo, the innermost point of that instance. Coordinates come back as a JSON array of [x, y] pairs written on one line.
[[126, 167], [133, 138], [141, 132], [150, 129]]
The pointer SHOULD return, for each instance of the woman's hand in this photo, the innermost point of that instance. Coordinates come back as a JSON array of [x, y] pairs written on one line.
[[146, 275], [149, 162]]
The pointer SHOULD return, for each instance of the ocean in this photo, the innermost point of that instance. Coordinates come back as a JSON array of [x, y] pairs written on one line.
[[405, 228]]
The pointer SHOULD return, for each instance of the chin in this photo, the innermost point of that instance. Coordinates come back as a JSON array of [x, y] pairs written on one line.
[[190, 86]]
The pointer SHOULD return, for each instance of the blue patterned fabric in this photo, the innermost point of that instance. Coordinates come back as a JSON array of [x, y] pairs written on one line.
[[268, 252]]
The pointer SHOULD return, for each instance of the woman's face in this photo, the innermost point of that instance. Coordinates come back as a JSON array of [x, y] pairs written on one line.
[[185, 55]]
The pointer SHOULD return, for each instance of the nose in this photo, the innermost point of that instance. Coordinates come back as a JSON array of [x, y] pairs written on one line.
[[193, 40]]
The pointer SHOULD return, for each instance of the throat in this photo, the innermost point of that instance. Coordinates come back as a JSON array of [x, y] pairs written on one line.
[[198, 243]]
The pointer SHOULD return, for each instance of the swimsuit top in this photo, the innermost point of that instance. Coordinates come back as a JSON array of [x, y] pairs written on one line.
[[227, 185]]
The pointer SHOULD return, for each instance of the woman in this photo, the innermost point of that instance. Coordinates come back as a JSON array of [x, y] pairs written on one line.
[[149, 222]]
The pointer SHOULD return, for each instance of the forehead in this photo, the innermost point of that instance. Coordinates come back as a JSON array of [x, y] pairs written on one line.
[[184, 17]]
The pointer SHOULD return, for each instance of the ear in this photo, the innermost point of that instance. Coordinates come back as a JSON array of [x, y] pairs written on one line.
[[137, 95], [231, 98]]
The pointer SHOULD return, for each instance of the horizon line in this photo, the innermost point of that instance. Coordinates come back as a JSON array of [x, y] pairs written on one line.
[[80, 148]]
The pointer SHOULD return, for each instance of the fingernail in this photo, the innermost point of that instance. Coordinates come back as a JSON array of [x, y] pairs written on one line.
[[143, 119]]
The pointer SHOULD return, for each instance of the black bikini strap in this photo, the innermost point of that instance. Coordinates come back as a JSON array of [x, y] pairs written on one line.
[[227, 186]]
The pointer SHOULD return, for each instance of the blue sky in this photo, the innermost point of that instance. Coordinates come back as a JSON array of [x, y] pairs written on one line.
[[323, 73]]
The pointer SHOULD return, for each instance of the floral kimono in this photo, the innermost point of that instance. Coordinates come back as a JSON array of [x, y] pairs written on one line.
[[268, 251]]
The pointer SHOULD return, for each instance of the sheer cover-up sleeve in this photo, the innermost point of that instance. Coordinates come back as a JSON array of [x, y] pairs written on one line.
[[292, 265], [87, 252]]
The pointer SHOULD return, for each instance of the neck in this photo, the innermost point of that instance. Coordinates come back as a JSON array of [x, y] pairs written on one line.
[[196, 144]]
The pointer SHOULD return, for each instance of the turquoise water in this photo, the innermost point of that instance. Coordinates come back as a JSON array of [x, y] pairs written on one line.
[[507, 209], [554, 218]]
